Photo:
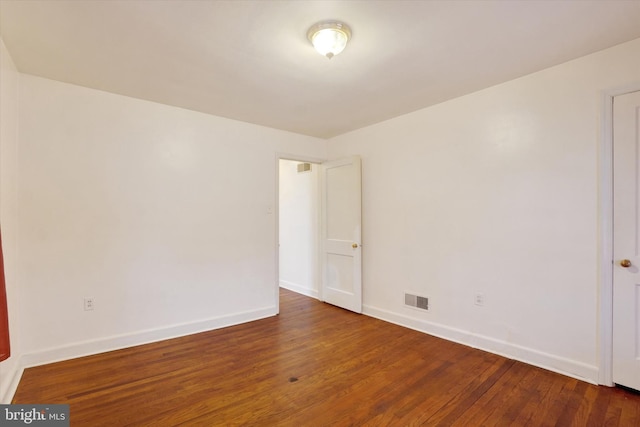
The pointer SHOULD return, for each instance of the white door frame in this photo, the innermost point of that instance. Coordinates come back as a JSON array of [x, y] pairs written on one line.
[[276, 210], [605, 321]]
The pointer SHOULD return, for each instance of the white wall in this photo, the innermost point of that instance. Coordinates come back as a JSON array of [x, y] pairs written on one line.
[[299, 200], [160, 214], [494, 192], [164, 216], [9, 369]]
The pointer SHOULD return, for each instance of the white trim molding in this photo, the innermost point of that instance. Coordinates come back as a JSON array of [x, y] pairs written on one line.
[[12, 384], [117, 342], [294, 287], [550, 362]]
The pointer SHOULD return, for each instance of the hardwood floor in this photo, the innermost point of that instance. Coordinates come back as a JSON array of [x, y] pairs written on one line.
[[318, 365]]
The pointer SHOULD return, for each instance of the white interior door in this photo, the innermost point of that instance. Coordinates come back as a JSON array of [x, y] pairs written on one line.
[[341, 233], [626, 240]]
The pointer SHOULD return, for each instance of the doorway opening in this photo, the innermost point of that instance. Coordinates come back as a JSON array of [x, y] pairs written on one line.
[[299, 226]]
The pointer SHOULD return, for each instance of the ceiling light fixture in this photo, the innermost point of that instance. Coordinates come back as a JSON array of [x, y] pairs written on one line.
[[329, 37]]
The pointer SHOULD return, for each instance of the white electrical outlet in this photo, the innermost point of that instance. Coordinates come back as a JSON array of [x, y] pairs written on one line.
[[478, 299], [88, 304]]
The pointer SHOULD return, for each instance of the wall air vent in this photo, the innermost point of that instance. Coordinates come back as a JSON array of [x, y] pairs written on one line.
[[304, 167], [416, 301]]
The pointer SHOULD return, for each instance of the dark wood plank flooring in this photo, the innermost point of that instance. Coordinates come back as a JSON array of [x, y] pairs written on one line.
[[318, 365]]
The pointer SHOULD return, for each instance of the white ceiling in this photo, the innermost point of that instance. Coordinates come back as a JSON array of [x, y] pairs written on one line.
[[251, 61]]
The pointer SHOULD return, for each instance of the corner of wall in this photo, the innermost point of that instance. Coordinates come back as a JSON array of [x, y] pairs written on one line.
[[10, 369], [9, 380]]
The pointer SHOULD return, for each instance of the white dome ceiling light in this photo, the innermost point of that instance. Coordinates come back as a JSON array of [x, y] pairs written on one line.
[[329, 37]]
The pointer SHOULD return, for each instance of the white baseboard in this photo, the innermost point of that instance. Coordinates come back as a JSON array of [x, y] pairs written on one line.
[[89, 347], [116, 342], [530, 356], [299, 289], [13, 377], [550, 362]]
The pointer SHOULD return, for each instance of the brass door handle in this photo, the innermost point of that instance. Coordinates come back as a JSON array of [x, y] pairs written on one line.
[[625, 263], [354, 246]]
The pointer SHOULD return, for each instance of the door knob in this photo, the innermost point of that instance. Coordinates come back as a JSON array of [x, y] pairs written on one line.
[[354, 246], [625, 263]]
